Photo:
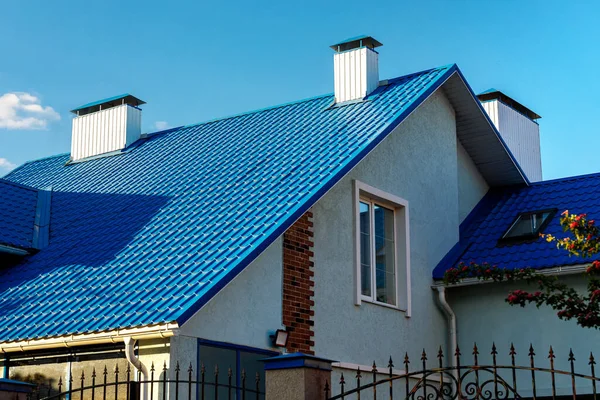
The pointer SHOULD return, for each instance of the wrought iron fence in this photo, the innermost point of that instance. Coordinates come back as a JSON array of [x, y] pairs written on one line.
[[474, 381], [161, 384]]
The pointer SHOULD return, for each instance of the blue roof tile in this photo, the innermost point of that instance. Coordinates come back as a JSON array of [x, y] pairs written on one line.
[[150, 235], [18, 205], [498, 209]]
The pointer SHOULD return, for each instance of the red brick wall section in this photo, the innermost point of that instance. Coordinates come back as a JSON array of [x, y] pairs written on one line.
[[298, 285]]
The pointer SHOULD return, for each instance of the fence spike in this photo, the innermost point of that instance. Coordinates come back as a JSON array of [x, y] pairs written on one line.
[[423, 356], [105, 370], [190, 369], [440, 355], [342, 380], [592, 363], [406, 361], [551, 355], [229, 372], [165, 366], [457, 353], [82, 375], [177, 369], [475, 349], [374, 367], [571, 361], [512, 350], [358, 374], [390, 363], [152, 367], [494, 349], [531, 351], [571, 355], [94, 372]]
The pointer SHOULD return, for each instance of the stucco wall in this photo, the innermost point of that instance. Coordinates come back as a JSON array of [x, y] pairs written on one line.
[[484, 317], [471, 185], [417, 162], [246, 309]]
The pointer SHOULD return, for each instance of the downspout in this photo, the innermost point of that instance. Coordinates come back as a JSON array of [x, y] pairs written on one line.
[[452, 338], [137, 364]]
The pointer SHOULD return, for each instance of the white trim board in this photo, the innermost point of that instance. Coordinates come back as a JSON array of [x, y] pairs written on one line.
[[402, 234]]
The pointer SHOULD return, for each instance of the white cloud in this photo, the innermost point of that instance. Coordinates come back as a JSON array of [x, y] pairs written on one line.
[[24, 111], [6, 166], [161, 125]]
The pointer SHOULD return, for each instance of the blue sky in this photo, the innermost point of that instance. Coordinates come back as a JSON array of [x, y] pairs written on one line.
[[194, 61]]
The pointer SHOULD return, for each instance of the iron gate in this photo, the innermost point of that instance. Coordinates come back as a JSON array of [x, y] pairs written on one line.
[[467, 382]]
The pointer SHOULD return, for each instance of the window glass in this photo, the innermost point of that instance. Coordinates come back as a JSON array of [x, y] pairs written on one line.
[[250, 362], [238, 360], [365, 248], [225, 359], [528, 224], [385, 252]]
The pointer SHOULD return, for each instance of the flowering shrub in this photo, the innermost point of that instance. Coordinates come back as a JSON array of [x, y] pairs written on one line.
[[569, 303]]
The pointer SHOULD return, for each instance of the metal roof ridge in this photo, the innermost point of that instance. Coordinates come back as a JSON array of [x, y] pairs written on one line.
[[19, 185], [290, 103], [567, 178], [34, 161], [244, 113]]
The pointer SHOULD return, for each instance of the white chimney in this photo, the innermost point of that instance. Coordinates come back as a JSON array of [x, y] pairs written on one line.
[[105, 126], [519, 130], [356, 68]]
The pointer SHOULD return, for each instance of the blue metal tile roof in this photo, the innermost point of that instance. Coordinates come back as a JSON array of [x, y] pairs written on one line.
[[17, 214], [497, 211], [150, 235]]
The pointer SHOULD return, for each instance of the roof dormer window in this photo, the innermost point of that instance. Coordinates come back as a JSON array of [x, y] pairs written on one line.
[[529, 225]]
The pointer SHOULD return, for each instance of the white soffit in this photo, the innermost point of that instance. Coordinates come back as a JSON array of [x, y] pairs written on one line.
[[480, 138]]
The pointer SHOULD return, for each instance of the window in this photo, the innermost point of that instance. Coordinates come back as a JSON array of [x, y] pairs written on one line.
[[238, 358], [528, 225], [377, 252], [382, 248]]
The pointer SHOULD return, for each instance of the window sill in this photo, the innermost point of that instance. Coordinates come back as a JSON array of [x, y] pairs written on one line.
[[378, 303]]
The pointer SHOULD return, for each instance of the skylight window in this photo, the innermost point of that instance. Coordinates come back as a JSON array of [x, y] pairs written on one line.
[[529, 225]]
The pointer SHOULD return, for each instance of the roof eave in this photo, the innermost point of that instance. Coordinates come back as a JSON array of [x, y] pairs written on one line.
[[555, 271], [147, 332]]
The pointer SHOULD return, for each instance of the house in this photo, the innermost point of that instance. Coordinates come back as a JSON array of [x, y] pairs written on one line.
[[323, 217]]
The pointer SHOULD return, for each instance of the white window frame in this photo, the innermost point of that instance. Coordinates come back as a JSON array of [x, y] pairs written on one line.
[[366, 193]]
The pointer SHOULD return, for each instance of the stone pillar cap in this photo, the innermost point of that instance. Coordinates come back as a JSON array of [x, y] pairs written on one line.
[[10, 385], [297, 360]]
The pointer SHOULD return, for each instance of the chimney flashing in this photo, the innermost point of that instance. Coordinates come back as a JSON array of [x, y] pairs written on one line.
[[109, 102], [494, 94], [356, 43]]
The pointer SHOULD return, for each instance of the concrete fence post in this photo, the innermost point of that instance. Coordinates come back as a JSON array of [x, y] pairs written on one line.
[[296, 376]]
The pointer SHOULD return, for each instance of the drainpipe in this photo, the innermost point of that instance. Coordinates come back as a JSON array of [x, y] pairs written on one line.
[[137, 364], [452, 339]]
